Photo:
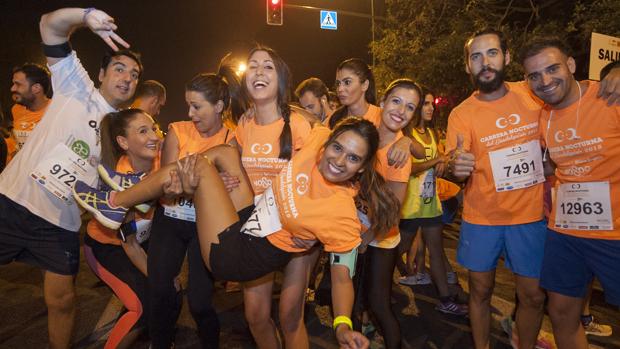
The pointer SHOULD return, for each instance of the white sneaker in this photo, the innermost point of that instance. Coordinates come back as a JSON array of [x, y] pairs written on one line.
[[417, 279], [595, 328]]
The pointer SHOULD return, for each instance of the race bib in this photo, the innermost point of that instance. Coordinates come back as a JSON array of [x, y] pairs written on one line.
[[427, 185], [517, 167], [59, 171], [182, 209], [583, 206], [265, 219]]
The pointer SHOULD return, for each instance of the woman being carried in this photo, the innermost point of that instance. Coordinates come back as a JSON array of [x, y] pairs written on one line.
[[312, 198]]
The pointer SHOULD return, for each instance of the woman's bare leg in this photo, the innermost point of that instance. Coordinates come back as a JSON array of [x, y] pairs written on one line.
[[257, 295], [216, 208], [149, 188], [293, 296]]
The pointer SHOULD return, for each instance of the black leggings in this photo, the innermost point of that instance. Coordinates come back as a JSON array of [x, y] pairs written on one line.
[[379, 269], [170, 239], [114, 259]]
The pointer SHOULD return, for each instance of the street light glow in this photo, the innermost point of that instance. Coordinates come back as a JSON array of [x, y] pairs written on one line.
[[241, 69]]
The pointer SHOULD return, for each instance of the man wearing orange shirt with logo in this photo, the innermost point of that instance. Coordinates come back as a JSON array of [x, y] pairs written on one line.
[[582, 135], [31, 90], [494, 140], [494, 143]]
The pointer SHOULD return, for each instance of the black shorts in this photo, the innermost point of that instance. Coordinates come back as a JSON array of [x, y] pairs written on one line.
[[26, 237], [411, 226], [242, 257]]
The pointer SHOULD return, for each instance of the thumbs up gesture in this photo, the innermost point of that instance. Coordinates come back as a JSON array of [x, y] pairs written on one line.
[[461, 163]]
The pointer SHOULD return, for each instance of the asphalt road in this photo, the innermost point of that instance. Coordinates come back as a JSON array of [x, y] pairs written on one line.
[[23, 314]]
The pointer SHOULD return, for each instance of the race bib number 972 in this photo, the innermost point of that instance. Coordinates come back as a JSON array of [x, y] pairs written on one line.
[[59, 171]]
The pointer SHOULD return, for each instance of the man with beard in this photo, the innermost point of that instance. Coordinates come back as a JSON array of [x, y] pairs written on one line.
[[494, 145], [30, 90], [582, 136], [40, 219], [494, 141]]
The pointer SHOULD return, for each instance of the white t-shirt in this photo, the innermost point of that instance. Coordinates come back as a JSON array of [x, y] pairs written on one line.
[[72, 118]]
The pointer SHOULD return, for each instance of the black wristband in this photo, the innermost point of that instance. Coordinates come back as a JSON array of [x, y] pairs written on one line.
[[126, 230], [57, 51]]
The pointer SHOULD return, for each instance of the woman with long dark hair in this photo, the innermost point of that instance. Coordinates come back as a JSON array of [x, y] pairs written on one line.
[[422, 207]]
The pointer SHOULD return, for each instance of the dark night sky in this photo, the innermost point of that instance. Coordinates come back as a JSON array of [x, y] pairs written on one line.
[[180, 38]]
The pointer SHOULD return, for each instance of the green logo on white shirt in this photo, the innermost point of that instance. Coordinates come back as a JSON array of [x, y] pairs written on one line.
[[81, 148]]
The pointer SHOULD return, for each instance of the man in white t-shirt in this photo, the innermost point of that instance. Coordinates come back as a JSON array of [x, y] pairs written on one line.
[[40, 220]]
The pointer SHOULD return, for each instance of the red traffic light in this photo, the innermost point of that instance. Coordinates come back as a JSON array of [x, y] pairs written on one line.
[[274, 12]]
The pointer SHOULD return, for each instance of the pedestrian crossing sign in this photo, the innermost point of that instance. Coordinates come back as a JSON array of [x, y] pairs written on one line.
[[329, 20]]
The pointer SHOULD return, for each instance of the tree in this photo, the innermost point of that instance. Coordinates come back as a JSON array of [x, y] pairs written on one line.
[[424, 39]]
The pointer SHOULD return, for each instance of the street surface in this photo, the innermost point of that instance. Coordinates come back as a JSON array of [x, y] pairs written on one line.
[[23, 315]]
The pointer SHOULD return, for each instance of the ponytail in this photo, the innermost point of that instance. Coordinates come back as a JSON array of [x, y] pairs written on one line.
[[238, 101], [286, 136], [109, 148]]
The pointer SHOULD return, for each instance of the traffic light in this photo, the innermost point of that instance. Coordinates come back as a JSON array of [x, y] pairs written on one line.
[[274, 12], [440, 101]]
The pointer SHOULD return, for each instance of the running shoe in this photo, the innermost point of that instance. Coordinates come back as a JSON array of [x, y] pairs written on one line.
[[510, 327], [368, 329], [417, 279], [119, 182], [594, 328], [452, 278], [451, 307], [97, 202]]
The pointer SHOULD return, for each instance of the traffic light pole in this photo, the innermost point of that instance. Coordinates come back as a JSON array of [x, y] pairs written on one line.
[[372, 17], [372, 21]]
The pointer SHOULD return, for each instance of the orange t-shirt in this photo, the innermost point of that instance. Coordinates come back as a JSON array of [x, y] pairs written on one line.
[[108, 236], [446, 189], [191, 142], [311, 207], [490, 126], [373, 114], [260, 146], [24, 121], [583, 141], [11, 148], [390, 174]]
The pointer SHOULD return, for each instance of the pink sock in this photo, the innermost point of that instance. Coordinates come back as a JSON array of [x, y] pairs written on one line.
[[111, 199]]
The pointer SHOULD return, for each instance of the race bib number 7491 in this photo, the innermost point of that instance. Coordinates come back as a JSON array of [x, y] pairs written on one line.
[[517, 167]]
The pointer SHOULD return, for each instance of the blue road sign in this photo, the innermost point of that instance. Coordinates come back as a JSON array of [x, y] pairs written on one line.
[[329, 20]]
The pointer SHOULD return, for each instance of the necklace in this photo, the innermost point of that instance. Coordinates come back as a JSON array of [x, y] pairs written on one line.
[[551, 116]]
